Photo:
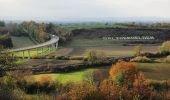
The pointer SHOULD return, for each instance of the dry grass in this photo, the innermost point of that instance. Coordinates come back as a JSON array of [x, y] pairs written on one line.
[[110, 51], [155, 71]]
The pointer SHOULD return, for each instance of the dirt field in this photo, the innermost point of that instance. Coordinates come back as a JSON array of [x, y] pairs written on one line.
[[109, 51]]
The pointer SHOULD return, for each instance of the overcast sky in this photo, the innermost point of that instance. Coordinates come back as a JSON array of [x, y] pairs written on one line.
[[61, 9]]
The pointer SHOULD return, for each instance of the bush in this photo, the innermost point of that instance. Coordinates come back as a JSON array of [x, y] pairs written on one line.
[[138, 50], [159, 85], [83, 91], [92, 57], [45, 79], [141, 59], [120, 78], [127, 69], [8, 81], [111, 91], [141, 89], [167, 59], [165, 47]]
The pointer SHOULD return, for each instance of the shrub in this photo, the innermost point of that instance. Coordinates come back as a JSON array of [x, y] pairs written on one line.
[[158, 85], [92, 57], [120, 78], [44, 79], [127, 69], [141, 89], [138, 50], [83, 91], [8, 81], [141, 59], [167, 59], [111, 91], [101, 56], [165, 47]]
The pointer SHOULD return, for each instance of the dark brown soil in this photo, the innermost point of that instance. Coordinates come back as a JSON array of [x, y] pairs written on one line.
[[160, 35]]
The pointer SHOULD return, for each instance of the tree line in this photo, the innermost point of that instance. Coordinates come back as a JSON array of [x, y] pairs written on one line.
[[39, 31]]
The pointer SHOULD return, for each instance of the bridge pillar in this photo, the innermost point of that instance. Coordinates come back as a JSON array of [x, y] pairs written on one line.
[[53, 46], [49, 49], [42, 51], [12, 55], [23, 55], [56, 45], [28, 54], [37, 51]]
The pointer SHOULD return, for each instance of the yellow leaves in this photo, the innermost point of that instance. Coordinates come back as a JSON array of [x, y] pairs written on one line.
[[137, 50], [165, 47], [45, 79], [82, 91]]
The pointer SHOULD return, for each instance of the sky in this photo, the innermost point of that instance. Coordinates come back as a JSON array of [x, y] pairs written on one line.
[[79, 9]]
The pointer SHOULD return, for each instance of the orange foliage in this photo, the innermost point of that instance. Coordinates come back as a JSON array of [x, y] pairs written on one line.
[[45, 79], [83, 91], [128, 69], [111, 91], [141, 88]]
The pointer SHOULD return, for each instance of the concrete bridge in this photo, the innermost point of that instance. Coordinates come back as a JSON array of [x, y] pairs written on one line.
[[51, 44]]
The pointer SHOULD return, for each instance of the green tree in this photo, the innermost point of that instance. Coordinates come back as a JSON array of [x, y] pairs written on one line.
[[2, 23], [92, 57], [9, 81], [120, 78], [165, 47], [138, 50], [63, 33], [5, 58], [43, 35]]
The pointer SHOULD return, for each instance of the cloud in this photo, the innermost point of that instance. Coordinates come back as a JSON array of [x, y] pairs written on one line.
[[59, 9]]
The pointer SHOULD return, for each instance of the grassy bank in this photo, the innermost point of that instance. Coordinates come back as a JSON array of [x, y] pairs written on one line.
[[77, 76], [19, 42], [156, 71]]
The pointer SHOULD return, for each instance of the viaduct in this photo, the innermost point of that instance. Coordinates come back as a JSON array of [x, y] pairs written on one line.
[[51, 44]]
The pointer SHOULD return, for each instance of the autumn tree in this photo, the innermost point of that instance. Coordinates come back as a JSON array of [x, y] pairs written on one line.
[[83, 91], [9, 89], [126, 71], [45, 79], [141, 89], [111, 91], [62, 33], [36, 31]]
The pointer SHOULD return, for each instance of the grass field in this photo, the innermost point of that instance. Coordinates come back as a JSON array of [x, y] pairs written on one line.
[[33, 53], [78, 76], [109, 47], [156, 71], [19, 42]]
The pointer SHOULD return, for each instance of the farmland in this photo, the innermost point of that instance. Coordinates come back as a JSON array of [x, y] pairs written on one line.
[[153, 71], [84, 57]]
